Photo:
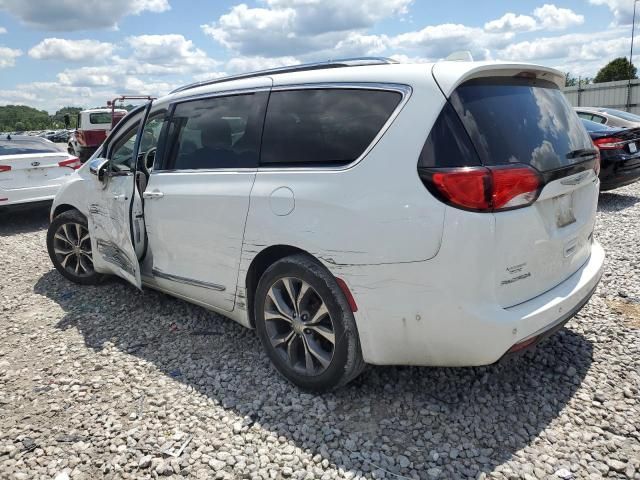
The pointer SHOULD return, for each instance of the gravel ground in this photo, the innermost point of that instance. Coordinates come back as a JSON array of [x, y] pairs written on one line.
[[108, 382]]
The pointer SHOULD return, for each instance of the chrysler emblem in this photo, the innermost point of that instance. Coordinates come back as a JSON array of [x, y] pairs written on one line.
[[35, 164]]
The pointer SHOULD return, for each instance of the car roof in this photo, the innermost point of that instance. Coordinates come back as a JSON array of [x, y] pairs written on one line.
[[449, 73]]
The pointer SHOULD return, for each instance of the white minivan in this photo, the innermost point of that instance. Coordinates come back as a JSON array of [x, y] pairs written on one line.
[[352, 212]]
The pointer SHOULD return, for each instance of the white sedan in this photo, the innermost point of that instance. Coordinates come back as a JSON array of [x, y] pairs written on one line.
[[32, 169]]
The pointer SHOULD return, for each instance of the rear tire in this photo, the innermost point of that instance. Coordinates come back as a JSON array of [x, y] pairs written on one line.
[[306, 326], [69, 247]]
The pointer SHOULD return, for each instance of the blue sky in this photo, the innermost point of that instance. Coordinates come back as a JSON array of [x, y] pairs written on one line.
[[82, 52]]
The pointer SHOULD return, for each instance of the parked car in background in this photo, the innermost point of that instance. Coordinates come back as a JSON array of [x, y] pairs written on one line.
[[93, 127], [619, 154], [609, 117], [357, 211], [32, 169]]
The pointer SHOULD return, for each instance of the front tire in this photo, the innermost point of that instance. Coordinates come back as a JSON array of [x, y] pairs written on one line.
[[69, 247], [306, 326]]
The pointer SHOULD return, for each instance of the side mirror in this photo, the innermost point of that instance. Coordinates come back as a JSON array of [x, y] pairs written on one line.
[[98, 167], [67, 121]]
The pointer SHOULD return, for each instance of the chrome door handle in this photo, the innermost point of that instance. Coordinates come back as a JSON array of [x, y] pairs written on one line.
[[119, 197], [152, 195]]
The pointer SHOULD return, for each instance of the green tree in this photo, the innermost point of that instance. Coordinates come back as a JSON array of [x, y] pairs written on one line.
[[570, 80], [617, 69], [19, 127]]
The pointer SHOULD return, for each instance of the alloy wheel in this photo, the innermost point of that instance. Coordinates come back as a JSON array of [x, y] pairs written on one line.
[[72, 247], [299, 326]]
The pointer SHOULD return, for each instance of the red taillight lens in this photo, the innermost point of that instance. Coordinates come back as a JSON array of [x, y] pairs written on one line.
[[5, 168], [73, 162], [609, 143], [485, 188], [596, 164]]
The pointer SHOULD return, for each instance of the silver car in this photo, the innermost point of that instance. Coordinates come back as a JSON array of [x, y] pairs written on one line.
[[609, 116]]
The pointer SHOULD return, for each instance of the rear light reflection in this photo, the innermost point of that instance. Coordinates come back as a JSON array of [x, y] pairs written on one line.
[[485, 189], [5, 168], [73, 162], [522, 345]]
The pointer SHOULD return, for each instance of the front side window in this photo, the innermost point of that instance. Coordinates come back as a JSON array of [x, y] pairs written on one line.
[[218, 132], [323, 126], [122, 151]]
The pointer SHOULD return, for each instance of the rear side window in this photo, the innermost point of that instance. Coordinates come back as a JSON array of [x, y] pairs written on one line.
[[518, 120], [219, 132], [26, 146], [323, 126], [448, 144], [100, 118]]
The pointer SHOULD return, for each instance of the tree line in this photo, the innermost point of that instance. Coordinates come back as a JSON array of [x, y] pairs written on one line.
[[617, 69]]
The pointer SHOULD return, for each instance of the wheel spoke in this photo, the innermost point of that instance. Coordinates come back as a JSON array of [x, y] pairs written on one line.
[[284, 338], [280, 304], [291, 351], [85, 238], [65, 229], [57, 236], [62, 252], [65, 260], [289, 288], [83, 267], [319, 315], [77, 269], [78, 233], [308, 358], [304, 288], [314, 348], [324, 332]]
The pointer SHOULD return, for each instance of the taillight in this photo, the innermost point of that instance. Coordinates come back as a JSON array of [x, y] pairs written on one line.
[[609, 143], [596, 163], [73, 162], [5, 168], [484, 189]]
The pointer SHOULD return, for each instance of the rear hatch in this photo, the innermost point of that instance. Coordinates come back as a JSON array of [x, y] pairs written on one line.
[[519, 119]]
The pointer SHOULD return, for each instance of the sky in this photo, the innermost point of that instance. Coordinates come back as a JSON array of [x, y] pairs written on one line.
[[56, 53]]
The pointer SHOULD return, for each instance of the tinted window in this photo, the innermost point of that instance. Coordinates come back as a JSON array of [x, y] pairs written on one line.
[[100, 118], [599, 119], [330, 126], [448, 144], [220, 132], [26, 145], [512, 120], [122, 151]]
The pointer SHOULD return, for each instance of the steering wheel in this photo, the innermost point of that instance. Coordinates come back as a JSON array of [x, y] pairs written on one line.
[[147, 161]]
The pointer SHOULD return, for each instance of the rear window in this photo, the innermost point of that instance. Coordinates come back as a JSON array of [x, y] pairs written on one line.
[[26, 146], [98, 118], [323, 126], [513, 120]]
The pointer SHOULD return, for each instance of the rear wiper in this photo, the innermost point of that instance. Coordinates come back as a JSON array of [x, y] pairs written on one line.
[[582, 152]]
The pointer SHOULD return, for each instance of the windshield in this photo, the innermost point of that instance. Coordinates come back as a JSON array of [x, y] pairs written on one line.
[[620, 114], [518, 120]]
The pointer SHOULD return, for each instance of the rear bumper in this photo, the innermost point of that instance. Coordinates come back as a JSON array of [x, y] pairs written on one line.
[[404, 322], [619, 171]]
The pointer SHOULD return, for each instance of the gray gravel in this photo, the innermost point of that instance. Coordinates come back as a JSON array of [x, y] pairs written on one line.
[[108, 382]]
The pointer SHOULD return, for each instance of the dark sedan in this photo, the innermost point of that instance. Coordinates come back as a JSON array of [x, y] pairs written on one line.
[[619, 154]]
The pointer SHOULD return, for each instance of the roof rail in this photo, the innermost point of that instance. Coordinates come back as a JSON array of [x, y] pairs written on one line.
[[344, 62]]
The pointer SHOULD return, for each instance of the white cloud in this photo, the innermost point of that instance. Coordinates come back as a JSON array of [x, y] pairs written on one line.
[[168, 54], [622, 10], [554, 18], [252, 64], [71, 15], [8, 56], [71, 50], [510, 22], [3, 30], [297, 27]]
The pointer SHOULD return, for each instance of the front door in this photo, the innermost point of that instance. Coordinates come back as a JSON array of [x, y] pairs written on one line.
[[197, 198], [113, 202]]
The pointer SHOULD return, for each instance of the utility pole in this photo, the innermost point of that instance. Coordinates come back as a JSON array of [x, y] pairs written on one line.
[[633, 30]]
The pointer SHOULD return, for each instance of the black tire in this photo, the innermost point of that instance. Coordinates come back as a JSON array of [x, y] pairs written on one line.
[[86, 274], [345, 362]]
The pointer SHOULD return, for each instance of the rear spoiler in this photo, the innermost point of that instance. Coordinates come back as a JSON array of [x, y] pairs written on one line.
[[449, 75]]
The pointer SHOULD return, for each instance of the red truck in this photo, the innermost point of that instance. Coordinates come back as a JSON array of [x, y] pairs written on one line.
[[94, 125]]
